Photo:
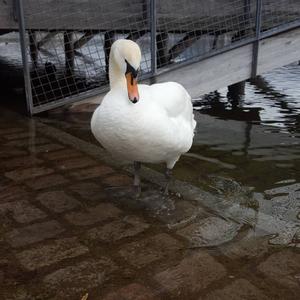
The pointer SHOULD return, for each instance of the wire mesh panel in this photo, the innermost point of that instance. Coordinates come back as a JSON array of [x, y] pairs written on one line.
[[276, 13], [68, 42], [197, 28]]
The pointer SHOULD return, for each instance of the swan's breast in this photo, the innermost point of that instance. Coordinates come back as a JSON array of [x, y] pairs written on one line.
[[143, 131]]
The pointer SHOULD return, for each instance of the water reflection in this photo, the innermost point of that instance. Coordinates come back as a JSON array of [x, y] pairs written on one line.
[[257, 136]]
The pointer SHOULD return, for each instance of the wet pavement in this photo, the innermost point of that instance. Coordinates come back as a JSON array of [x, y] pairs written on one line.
[[71, 226]]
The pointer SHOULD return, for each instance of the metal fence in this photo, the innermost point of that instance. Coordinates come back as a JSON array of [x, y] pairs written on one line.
[[66, 44]]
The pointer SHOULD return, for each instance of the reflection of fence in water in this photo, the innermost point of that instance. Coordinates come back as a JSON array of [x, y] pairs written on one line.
[[68, 42]]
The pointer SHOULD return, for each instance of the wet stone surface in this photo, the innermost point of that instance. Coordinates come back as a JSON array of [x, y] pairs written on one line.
[[34, 233], [147, 251], [57, 201], [128, 226], [283, 267], [194, 273], [71, 225], [250, 246], [22, 211], [92, 215], [93, 172], [51, 253], [89, 191], [46, 181], [211, 231], [133, 291], [237, 290], [80, 277], [23, 174]]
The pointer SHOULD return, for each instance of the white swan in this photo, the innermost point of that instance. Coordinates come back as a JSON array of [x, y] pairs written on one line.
[[142, 123]]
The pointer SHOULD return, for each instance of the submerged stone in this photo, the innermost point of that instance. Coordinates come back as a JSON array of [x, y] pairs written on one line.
[[211, 231]]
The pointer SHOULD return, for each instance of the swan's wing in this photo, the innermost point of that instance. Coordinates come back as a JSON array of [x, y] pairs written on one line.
[[174, 99]]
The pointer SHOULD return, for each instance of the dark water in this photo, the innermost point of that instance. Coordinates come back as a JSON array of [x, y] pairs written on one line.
[[258, 132]]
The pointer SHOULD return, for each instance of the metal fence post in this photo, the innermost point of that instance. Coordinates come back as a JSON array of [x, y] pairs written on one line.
[[153, 36], [257, 38], [26, 69]]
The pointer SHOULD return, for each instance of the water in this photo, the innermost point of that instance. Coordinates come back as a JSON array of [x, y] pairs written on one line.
[[246, 149], [246, 153]]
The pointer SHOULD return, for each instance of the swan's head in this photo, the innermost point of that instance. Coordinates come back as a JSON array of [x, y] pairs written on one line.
[[127, 57]]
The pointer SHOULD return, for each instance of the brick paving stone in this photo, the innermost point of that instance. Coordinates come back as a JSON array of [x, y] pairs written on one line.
[[26, 142], [118, 180], [79, 278], [93, 172], [46, 181], [23, 174], [193, 274], [76, 163], [283, 267], [33, 233], [58, 201], [183, 213], [211, 231], [148, 250], [18, 135], [89, 190], [11, 130], [133, 291], [127, 227], [62, 154], [240, 289], [8, 152], [92, 215], [24, 161], [22, 211], [11, 192], [45, 148], [51, 253], [248, 247]]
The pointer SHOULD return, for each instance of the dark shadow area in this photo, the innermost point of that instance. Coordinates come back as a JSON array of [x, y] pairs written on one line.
[[12, 87], [231, 108]]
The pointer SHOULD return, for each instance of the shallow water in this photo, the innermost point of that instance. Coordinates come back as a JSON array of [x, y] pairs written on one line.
[[246, 148], [246, 152]]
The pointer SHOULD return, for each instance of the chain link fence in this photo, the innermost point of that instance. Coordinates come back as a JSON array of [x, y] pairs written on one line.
[[66, 44]]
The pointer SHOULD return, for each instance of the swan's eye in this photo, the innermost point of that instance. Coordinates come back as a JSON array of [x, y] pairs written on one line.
[[131, 69]]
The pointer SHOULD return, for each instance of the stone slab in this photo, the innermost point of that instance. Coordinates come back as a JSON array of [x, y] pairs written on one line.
[[33, 233], [193, 274], [51, 253]]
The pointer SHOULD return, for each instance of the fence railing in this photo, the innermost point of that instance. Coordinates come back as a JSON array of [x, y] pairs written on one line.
[[65, 44]]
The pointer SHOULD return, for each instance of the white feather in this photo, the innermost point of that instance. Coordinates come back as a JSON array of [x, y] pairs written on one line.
[[158, 128]]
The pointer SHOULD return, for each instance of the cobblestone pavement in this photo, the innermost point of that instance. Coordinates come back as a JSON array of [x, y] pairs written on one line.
[[70, 226]]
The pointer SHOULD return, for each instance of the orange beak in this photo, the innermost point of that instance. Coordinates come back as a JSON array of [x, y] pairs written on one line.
[[132, 88]]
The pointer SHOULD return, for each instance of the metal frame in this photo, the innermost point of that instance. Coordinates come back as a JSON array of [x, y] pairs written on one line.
[[20, 14], [154, 70], [257, 38], [153, 37]]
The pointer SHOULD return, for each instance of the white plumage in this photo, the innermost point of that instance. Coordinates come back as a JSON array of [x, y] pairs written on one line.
[[158, 128]]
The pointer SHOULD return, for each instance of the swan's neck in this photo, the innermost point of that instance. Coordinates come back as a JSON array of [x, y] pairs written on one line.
[[116, 77]]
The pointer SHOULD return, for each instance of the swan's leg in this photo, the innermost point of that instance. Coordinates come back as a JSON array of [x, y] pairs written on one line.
[[168, 175], [137, 178]]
